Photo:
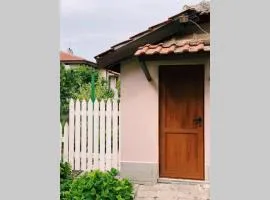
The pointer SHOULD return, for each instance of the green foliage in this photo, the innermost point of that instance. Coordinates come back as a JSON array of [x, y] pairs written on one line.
[[118, 87], [102, 90], [76, 83], [66, 179], [84, 92], [97, 185]]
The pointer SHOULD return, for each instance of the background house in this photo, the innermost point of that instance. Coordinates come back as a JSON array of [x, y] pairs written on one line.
[[70, 60], [165, 75]]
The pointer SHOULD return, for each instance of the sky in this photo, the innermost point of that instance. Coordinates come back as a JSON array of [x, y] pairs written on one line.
[[90, 27]]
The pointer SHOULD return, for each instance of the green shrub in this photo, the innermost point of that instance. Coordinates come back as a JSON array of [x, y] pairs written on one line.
[[66, 179], [97, 185], [76, 83]]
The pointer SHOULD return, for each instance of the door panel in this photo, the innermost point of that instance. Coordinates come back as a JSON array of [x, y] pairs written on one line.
[[181, 122]]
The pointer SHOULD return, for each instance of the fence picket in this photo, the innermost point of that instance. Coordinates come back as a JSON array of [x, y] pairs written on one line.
[[83, 138], [119, 135], [65, 156], [77, 135], [115, 134], [102, 136], [71, 134], [61, 141], [96, 135], [108, 135], [90, 135]]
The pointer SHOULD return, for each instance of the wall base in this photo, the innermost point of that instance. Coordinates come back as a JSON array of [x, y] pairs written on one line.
[[147, 173], [140, 173]]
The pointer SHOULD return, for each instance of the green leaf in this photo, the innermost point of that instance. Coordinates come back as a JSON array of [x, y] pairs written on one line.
[[98, 185]]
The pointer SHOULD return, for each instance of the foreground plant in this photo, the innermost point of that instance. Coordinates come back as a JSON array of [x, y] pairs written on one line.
[[97, 185], [66, 179]]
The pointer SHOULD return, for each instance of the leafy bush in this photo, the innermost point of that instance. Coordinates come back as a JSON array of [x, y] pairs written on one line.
[[66, 179], [102, 89], [97, 185], [76, 83]]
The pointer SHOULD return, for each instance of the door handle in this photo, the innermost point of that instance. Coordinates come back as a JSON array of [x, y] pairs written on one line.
[[198, 121]]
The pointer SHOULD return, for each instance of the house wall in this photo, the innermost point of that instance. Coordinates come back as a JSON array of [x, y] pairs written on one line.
[[112, 79], [103, 73], [139, 118], [67, 66]]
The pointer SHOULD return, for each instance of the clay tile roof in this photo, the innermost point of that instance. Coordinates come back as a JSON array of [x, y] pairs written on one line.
[[70, 58], [175, 46], [202, 8]]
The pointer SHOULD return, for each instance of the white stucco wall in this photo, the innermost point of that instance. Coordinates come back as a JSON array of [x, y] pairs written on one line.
[[139, 110]]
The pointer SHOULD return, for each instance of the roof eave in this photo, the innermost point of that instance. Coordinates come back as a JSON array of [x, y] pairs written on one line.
[[115, 56]]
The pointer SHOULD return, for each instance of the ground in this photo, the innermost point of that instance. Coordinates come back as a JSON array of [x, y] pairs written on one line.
[[175, 191]]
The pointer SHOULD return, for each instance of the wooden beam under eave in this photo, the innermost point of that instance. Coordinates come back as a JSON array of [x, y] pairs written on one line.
[[145, 70]]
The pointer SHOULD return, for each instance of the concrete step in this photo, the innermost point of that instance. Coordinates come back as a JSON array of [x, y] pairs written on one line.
[[173, 191]]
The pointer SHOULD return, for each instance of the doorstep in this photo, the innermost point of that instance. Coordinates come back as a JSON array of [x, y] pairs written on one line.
[[172, 190], [183, 181]]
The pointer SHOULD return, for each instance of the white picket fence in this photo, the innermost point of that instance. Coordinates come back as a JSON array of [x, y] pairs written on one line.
[[91, 138]]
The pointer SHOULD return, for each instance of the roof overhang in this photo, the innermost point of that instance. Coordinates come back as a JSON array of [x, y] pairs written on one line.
[[114, 57], [111, 58]]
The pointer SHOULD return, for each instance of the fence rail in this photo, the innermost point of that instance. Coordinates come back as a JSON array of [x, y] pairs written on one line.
[[90, 140]]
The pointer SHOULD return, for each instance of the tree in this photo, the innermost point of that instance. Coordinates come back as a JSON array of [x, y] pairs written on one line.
[[76, 83]]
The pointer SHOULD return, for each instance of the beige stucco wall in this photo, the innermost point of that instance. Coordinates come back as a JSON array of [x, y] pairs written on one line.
[[139, 114], [139, 110]]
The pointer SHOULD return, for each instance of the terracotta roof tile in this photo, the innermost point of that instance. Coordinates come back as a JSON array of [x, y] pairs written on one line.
[[175, 46], [203, 8], [70, 58]]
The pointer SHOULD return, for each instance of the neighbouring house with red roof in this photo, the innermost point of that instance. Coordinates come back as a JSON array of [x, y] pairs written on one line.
[[69, 60], [165, 106]]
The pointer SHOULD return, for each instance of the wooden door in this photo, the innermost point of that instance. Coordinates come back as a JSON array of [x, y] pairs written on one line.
[[181, 128]]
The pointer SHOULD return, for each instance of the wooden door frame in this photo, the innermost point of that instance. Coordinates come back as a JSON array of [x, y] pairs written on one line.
[[159, 132]]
